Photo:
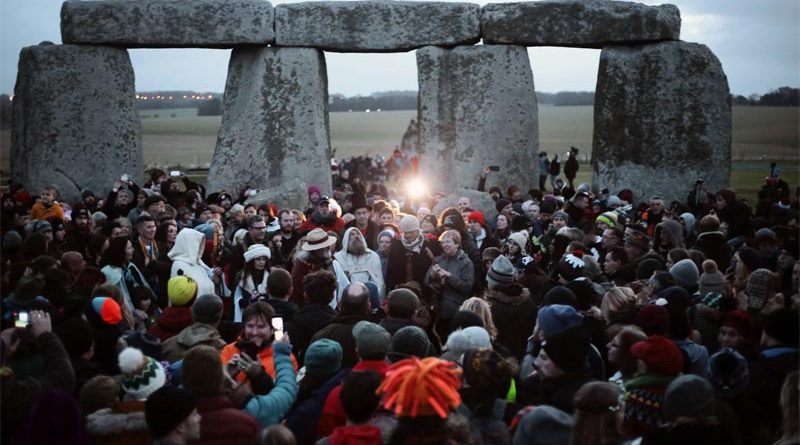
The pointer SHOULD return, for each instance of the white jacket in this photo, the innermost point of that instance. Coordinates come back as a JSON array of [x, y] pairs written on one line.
[[186, 256], [363, 268]]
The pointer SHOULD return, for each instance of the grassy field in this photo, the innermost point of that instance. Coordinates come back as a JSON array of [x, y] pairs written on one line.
[[760, 134]]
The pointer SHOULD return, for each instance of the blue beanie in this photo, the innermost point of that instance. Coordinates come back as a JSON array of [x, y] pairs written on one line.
[[557, 318], [323, 358]]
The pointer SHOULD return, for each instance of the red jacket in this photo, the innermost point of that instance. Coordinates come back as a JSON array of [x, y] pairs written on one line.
[[333, 412], [337, 226], [171, 322], [223, 424]]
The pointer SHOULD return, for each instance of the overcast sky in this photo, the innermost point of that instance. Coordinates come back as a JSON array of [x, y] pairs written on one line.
[[758, 43]]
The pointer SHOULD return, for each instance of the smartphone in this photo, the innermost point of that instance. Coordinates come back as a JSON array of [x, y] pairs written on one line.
[[124, 178], [494, 168], [21, 320], [277, 326], [175, 173]]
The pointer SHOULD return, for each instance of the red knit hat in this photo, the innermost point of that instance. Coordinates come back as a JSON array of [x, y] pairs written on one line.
[[741, 321], [660, 355], [477, 215], [653, 319]]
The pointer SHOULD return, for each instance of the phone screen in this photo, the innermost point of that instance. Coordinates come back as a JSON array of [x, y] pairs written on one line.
[[175, 173], [21, 320], [277, 325]]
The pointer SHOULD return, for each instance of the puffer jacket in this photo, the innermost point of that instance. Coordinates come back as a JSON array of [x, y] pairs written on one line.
[[271, 408]]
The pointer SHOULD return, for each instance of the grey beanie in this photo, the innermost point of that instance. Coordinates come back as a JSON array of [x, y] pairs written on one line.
[[409, 341], [544, 425], [688, 396], [207, 309], [685, 274]]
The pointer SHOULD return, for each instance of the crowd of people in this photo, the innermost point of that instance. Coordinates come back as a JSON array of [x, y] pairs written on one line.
[[166, 313]]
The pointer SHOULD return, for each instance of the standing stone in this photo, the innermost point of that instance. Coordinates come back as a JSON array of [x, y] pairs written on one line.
[[168, 23], [578, 23], [75, 125], [376, 26], [477, 107], [274, 121], [662, 119]]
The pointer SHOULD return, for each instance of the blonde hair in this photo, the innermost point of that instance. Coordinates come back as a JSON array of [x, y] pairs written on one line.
[[453, 234], [483, 309], [617, 299]]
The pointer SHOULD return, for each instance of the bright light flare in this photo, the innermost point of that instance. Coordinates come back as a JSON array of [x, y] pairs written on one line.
[[416, 188]]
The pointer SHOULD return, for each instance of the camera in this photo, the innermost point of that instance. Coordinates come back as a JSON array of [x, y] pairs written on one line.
[[124, 177]]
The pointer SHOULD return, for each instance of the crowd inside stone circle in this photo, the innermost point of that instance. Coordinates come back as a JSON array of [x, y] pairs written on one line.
[[167, 313]]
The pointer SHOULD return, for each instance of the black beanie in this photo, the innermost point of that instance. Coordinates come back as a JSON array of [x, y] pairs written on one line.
[[568, 348], [166, 408], [783, 325], [560, 295]]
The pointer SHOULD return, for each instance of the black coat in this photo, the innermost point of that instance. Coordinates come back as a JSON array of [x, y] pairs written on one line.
[[305, 323], [715, 247], [514, 314], [420, 263]]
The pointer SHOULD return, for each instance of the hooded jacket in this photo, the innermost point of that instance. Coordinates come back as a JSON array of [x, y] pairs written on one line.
[[362, 268], [122, 424], [197, 334], [186, 256]]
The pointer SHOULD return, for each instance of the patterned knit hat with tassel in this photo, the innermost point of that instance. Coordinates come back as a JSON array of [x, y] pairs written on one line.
[[141, 375]]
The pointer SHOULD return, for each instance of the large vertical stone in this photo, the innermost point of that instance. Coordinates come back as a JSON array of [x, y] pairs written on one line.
[[274, 122], [75, 125], [477, 107], [662, 119]]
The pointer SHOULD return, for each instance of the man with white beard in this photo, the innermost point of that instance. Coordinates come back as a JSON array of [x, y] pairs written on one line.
[[362, 264]]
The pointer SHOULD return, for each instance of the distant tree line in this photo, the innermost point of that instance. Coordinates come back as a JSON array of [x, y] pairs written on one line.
[[396, 100], [781, 97]]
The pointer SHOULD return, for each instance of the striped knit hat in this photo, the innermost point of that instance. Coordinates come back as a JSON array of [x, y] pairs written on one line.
[[141, 375], [501, 272]]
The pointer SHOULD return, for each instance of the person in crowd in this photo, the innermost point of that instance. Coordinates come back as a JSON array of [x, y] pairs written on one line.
[[252, 280], [361, 264], [182, 292], [513, 311], [172, 416], [256, 234], [206, 315], [597, 406], [323, 217], [147, 253], [451, 277], [121, 272], [353, 308], [411, 255], [316, 254], [46, 206]]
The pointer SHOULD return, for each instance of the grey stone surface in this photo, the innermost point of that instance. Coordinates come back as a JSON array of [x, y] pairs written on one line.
[[477, 107], [168, 23], [274, 122], [662, 119], [289, 195], [74, 121], [478, 201], [578, 23], [376, 26]]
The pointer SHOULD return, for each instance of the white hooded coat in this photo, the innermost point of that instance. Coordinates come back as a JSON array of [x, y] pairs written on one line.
[[186, 256], [363, 268]]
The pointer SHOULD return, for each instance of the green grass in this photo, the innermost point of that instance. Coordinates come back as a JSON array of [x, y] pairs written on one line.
[[760, 134]]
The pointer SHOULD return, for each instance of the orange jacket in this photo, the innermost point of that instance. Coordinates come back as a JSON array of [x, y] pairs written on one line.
[[265, 357], [39, 211]]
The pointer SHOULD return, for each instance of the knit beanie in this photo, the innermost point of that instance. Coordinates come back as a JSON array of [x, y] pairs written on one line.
[[500, 204], [613, 201], [568, 348], [557, 318], [409, 341], [561, 214], [181, 290], [728, 372], [741, 321], [647, 268], [521, 238], [141, 375], [544, 425], [478, 217], [560, 295], [570, 267], [107, 309], [758, 288], [101, 391], [207, 229], [501, 272], [688, 396], [167, 408], [712, 279], [607, 218], [202, 372], [685, 274], [409, 223], [373, 341], [653, 319], [660, 355], [459, 341], [749, 257], [256, 251], [207, 309], [415, 388], [323, 358]]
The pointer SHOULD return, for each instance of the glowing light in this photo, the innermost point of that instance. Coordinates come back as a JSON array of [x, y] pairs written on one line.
[[184, 97], [170, 98], [416, 188], [210, 96], [137, 96]]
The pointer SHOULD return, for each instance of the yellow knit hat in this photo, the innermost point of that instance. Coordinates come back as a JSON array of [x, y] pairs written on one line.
[[181, 290]]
